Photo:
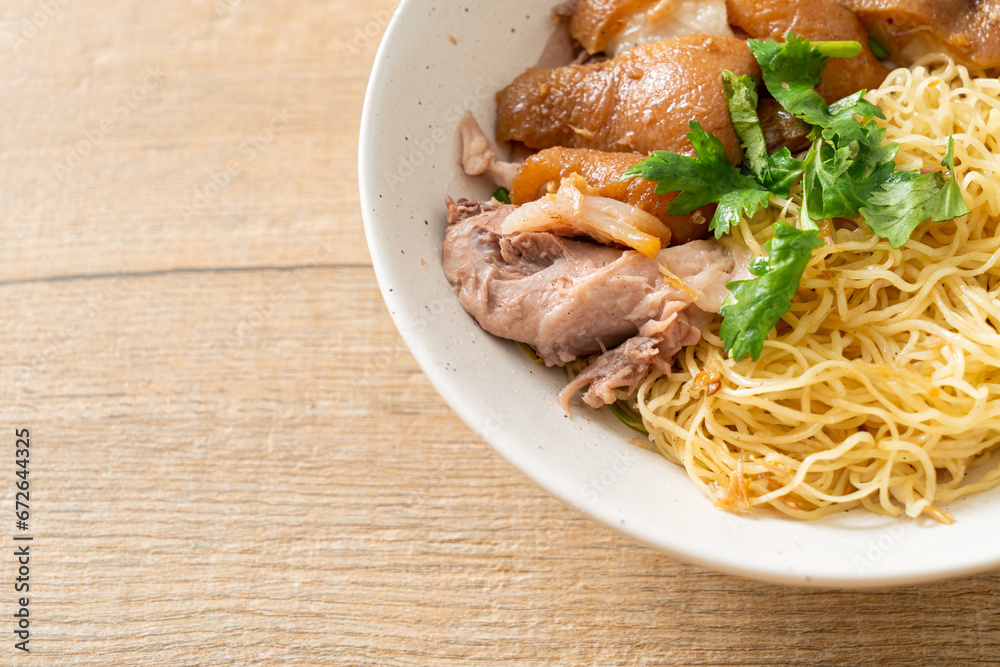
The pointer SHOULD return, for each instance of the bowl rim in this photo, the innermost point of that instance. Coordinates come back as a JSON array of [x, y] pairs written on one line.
[[512, 450]]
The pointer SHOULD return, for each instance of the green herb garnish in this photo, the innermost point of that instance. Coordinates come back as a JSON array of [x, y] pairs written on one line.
[[502, 195], [529, 352], [741, 98], [709, 178], [907, 199], [878, 50], [627, 416], [847, 171], [755, 306]]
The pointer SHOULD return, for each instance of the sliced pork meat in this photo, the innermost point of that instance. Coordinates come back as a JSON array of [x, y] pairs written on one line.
[[702, 269], [568, 298], [782, 129], [563, 12], [817, 20], [626, 366], [543, 172], [968, 30], [559, 50], [479, 156], [615, 26], [490, 215], [562, 296], [639, 102]]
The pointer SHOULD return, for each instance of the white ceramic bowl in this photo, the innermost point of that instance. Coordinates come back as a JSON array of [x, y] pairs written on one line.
[[437, 60]]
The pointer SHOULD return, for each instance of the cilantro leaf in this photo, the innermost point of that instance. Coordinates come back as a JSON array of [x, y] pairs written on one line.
[[838, 178], [776, 172], [793, 70], [846, 108], [502, 195], [741, 98], [791, 73], [826, 191], [903, 203], [735, 205], [878, 50], [755, 306], [846, 161], [950, 203], [783, 171], [906, 199], [874, 161], [709, 178]]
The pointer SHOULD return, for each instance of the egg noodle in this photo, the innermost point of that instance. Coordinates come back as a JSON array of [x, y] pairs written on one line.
[[881, 387]]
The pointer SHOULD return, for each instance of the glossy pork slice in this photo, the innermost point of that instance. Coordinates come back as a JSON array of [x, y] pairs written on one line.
[[595, 21], [782, 129], [541, 174], [569, 298], [616, 26], [817, 20], [967, 30], [639, 102]]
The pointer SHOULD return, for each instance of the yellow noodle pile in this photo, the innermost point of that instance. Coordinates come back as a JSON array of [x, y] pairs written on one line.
[[881, 387]]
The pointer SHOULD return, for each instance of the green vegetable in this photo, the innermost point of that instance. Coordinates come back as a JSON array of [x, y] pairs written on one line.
[[878, 50], [741, 98], [707, 179], [529, 352], [778, 171], [843, 49], [839, 175], [755, 306], [793, 70], [502, 195], [627, 416], [847, 171], [908, 199]]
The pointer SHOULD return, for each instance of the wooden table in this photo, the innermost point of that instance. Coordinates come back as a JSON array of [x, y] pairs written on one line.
[[233, 458]]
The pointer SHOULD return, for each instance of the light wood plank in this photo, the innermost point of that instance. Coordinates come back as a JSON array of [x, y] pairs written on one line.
[[276, 501], [120, 121], [235, 460]]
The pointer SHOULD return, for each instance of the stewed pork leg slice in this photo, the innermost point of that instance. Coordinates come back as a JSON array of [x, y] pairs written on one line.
[[542, 173], [615, 26], [816, 20], [968, 30], [639, 102]]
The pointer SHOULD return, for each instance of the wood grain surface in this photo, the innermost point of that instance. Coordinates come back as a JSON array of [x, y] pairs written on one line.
[[234, 459]]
